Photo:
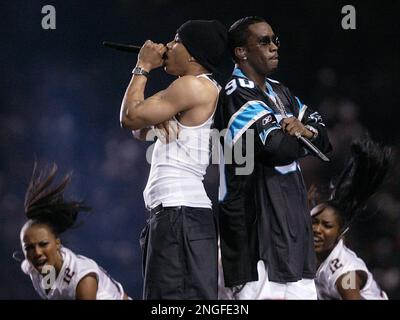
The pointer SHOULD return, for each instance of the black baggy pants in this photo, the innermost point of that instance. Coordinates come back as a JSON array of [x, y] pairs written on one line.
[[179, 246]]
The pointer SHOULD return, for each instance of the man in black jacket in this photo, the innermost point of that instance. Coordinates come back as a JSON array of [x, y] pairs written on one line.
[[265, 225]]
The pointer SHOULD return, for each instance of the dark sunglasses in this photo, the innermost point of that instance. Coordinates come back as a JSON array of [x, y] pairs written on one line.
[[265, 41]]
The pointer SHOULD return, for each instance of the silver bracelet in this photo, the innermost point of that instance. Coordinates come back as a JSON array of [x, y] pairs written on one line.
[[140, 71]]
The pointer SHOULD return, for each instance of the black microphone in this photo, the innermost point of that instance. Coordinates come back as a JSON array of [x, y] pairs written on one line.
[[126, 47], [122, 47]]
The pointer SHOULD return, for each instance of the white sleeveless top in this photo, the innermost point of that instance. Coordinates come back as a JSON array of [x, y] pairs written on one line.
[[178, 168], [341, 261], [74, 268]]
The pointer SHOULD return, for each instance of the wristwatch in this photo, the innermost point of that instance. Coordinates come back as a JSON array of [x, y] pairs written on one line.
[[140, 71], [313, 130]]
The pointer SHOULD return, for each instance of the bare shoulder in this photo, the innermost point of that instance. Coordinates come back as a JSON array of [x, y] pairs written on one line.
[[189, 81], [199, 90], [87, 287], [350, 284]]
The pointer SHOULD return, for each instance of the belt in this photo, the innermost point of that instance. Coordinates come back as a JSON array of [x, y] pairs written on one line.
[[160, 208]]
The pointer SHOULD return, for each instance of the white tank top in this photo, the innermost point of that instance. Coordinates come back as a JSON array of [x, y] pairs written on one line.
[[74, 268], [341, 261], [178, 168]]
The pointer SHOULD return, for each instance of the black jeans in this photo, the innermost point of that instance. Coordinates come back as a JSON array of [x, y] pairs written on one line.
[[179, 246]]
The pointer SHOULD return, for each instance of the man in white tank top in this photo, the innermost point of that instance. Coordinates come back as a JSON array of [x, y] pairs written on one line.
[[179, 241]]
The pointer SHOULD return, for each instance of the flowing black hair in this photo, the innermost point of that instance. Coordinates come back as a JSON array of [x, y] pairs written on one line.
[[359, 180], [44, 203]]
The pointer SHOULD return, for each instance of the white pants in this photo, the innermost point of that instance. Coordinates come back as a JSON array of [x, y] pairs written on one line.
[[263, 289]]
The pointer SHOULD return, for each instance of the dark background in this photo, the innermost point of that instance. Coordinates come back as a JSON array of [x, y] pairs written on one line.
[[61, 91]]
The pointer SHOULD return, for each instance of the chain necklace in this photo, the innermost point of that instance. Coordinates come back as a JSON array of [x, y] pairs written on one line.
[[281, 107], [277, 101]]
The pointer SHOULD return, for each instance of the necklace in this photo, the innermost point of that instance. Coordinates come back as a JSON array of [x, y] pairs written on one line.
[[277, 101], [280, 106]]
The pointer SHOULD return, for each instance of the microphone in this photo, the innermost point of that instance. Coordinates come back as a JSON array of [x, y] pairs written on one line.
[[312, 147], [122, 47], [126, 47]]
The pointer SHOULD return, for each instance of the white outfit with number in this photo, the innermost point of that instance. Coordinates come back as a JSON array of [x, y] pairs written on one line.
[[74, 268], [342, 260]]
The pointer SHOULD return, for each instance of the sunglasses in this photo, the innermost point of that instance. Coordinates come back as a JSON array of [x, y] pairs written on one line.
[[265, 41]]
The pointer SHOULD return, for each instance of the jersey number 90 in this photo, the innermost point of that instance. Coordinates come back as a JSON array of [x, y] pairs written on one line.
[[232, 85]]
